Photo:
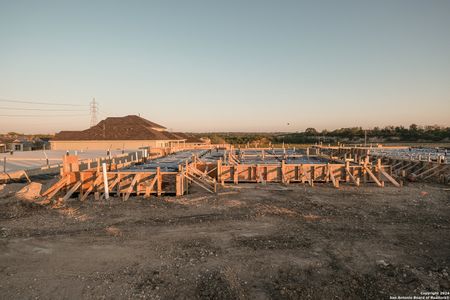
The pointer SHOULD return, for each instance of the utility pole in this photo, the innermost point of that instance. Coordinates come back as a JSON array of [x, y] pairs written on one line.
[[94, 110]]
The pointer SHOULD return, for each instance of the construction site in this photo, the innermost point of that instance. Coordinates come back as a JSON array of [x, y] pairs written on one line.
[[225, 149], [221, 221]]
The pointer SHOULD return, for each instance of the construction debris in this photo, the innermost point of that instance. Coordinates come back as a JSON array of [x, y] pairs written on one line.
[[30, 192]]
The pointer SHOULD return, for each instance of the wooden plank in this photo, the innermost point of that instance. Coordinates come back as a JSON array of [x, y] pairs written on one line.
[[114, 183], [26, 176], [424, 167], [91, 188], [397, 165], [71, 191], [428, 171], [333, 179], [158, 182], [412, 166], [374, 178], [198, 183], [130, 188], [409, 165], [59, 187], [435, 172], [148, 188], [389, 177], [195, 171], [310, 176], [119, 183], [178, 185], [355, 180]]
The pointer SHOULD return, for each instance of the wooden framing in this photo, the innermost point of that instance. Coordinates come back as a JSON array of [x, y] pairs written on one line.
[[301, 173], [409, 168], [232, 169]]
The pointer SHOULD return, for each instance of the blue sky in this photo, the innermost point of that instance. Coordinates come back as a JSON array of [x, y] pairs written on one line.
[[226, 65]]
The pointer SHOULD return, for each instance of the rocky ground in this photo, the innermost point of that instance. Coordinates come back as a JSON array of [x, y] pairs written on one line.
[[247, 242]]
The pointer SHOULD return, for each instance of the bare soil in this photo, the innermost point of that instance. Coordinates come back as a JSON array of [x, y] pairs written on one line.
[[247, 242]]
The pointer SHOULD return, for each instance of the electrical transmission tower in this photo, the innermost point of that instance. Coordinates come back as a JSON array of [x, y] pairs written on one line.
[[94, 110]]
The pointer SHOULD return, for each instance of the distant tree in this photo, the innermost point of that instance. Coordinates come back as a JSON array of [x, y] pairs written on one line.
[[311, 131], [413, 127], [215, 139]]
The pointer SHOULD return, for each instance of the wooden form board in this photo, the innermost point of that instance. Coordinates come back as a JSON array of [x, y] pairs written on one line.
[[121, 184], [206, 174], [285, 173], [401, 167]]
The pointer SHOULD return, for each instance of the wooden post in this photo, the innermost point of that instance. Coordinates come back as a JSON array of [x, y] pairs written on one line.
[[379, 169], [4, 164], [159, 181], [312, 174], [105, 181], [334, 180], [219, 170], [347, 167], [178, 188], [81, 193]]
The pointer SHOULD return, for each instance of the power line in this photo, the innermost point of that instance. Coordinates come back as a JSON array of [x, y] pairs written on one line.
[[40, 103], [42, 115], [40, 109]]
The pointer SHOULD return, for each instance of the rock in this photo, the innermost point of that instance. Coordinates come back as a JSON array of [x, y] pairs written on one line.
[[382, 263], [30, 192]]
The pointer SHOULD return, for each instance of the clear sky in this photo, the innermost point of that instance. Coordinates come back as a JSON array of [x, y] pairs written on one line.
[[226, 65]]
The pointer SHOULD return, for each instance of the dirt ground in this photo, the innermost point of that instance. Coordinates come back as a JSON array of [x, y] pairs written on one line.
[[247, 242]]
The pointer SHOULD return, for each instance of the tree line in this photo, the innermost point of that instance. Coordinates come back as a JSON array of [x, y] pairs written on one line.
[[413, 133]]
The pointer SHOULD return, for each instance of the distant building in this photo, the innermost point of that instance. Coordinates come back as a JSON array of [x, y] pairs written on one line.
[[19, 143], [116, 133], [3, 146], [191, 140]]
